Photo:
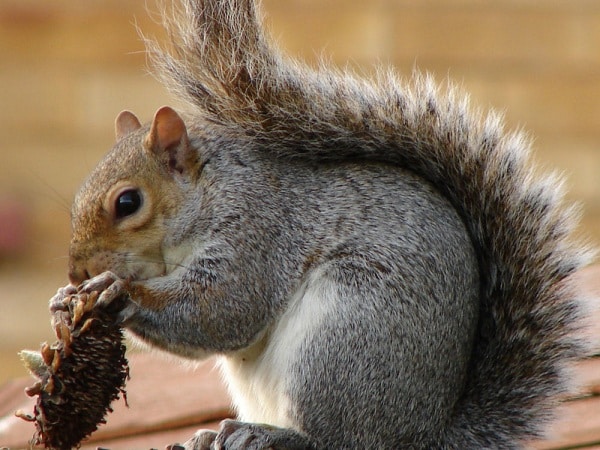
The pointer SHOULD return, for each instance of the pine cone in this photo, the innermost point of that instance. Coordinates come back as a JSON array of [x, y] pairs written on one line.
[[79, 375]]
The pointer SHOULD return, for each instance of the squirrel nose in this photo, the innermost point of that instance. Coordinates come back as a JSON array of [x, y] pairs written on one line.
[[77, 274]]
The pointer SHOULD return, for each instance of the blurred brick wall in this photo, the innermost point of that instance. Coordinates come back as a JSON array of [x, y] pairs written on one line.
[[68, 67]]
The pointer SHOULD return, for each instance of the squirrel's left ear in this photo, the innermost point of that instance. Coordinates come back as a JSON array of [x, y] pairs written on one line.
[[169, 141], [126, 123]]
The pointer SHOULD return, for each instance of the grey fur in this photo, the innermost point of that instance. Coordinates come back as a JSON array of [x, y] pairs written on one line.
[[451, 321]]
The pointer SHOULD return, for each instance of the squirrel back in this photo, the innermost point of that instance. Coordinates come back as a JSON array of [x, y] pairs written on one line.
[[222, 64]]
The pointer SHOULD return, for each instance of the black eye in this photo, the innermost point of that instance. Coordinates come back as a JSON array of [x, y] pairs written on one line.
[[128, 203]]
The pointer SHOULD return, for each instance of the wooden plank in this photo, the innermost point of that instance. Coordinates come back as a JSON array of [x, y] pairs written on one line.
[[162, 395], [157, 440], [578, 425], [169, 402], [588, 281], [587, 375], [11, 395]]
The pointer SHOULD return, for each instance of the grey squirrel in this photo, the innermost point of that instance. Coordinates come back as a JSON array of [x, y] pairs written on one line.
[[376, 264]]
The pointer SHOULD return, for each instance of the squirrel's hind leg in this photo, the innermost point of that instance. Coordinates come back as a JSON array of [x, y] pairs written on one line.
[[234, 435]]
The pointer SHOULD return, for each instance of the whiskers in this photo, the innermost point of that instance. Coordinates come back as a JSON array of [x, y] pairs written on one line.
[[136, 259], [51, 193]]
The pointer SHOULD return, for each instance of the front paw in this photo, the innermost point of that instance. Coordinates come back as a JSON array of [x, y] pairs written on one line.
[[109, 286], [60, 301], [234, 435], [113, 292], [105, 291]]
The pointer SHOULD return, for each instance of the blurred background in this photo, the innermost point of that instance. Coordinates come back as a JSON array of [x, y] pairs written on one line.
[[68, 67]]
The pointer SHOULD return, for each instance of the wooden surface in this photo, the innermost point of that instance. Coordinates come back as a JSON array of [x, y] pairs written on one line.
[[168, 402]]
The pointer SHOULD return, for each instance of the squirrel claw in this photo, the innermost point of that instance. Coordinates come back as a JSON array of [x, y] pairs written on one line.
[[98, 283], [107, 284], [57, 303], [115, 290], [202, 440], [127, 313]]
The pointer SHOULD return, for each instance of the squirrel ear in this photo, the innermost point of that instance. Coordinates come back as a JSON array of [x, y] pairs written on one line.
[[125, 123], [168, 140]]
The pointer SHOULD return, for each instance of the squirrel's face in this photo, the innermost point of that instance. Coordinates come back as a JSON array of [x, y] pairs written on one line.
[[119, 214]]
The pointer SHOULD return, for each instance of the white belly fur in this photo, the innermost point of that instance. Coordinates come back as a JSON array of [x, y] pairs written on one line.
[[258, 377]]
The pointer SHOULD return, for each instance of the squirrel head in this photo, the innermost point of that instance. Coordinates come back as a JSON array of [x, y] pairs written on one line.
[[119, 214]]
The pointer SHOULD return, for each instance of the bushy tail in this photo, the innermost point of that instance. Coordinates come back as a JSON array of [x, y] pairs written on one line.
[[221, 62]]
